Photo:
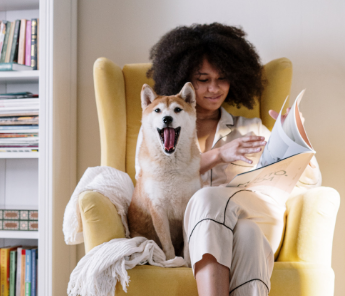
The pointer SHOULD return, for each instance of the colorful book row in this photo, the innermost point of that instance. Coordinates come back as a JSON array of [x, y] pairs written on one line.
[[18, 271], [18, 42]]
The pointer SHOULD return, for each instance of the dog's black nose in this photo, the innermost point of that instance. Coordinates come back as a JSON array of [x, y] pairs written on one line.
[[167, 119]]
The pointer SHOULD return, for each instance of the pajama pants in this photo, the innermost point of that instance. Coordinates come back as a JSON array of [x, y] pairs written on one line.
[[232, 225]]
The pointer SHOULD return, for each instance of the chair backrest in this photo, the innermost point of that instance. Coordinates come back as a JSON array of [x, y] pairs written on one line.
[[119, 108]]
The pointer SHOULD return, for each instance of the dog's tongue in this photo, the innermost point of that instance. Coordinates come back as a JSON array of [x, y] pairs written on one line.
[[169, 138]]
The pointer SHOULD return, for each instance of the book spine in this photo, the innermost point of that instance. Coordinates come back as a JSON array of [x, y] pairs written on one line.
[[13, 257], [38, 44], [22, 278], [9, 45], [21, 46], [28, 44], [28, 273], [33, 272], [14, 49], [19, 270], [4, 272], [5, 67], [34, 44], [4, 48], [2, 36]]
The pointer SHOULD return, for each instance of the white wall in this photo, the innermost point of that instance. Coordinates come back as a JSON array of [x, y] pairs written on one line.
[[310, 33]]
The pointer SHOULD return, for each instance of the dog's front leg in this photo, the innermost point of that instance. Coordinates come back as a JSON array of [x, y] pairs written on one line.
[[161, 225]]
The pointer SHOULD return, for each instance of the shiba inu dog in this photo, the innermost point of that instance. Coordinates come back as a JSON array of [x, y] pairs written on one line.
[[169, 175]]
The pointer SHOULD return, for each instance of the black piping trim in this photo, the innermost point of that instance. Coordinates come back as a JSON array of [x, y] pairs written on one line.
[[211, 177], [248, 282], [308, 184], [216, 220], [210, 220], [246, 166]]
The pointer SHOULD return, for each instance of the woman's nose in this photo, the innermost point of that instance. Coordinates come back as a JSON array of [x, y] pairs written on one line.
[[213, 86]]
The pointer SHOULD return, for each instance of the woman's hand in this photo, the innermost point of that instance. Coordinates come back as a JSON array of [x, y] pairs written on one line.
[[238, 148], [274, 115]]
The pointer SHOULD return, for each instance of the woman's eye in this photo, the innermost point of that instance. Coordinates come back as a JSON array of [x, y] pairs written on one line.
[[202, 80], [177, 110], [157, 110]]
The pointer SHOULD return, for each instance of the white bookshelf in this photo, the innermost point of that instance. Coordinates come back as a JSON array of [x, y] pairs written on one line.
[[19, 76], [46, 179], [19, 234]]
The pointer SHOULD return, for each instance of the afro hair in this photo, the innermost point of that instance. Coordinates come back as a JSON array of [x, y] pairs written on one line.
[[180, 53]]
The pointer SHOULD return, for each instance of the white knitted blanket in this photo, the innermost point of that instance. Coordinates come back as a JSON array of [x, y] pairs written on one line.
[[99, 270]]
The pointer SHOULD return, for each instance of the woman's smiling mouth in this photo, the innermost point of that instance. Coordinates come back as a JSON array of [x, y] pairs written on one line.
[[213, 98]]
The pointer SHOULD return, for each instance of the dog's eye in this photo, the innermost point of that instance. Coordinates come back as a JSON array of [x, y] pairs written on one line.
[[177, 110], [157, 110]]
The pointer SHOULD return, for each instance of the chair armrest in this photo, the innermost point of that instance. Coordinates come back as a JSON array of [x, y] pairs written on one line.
[[101, 222], [310, 226]]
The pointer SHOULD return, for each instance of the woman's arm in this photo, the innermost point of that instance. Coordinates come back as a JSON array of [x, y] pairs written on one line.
[[232, 151]]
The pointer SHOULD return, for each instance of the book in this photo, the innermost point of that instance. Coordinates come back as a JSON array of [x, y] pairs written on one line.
[[34, 44], [18, 149], [28, 44], [22, 276], [13, 266], [19, 120], [19, 129], [34, 256], [38, 44], [19, 270], [14, 67], [28, 260], [16, 102], [284, 158], [10, 41], [5, 270], [21, 46], [15, 42], [2, 35], [4, 48], [17, 135]]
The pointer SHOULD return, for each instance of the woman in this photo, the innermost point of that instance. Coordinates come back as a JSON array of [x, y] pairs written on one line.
[[232, 235]]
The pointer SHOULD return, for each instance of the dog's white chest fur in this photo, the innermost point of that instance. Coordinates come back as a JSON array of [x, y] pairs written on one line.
[[172, 195]]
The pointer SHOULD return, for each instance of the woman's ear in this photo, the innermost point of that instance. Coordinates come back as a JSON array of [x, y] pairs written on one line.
[[147, 96], [187, 93]]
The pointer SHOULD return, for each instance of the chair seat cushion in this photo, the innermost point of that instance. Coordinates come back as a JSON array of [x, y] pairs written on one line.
[[288, 279]]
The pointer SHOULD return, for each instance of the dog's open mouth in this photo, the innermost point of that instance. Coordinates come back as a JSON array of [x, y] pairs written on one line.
[[169, 137]]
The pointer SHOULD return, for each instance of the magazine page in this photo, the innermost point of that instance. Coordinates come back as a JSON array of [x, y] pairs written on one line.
[[280, 144], [277, 179], [293, 125]]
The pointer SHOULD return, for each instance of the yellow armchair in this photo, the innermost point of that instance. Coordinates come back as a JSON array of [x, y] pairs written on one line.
[[303, 266]]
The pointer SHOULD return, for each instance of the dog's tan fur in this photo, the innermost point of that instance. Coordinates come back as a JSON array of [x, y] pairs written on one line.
[[165, 182]]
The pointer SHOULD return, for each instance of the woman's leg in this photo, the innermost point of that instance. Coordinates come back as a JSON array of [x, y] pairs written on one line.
[[212, 278], [209, 221], [252, 261]]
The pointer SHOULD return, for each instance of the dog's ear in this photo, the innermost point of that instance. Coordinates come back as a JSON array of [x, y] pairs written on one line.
[[187, 93], [147, 96]]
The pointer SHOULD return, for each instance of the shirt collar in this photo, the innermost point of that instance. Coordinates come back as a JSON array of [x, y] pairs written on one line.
[[226, 122]]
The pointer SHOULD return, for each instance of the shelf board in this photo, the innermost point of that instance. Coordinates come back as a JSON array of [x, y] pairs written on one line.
[[18, 4], [19, 234], [19, 154], [19, 76]]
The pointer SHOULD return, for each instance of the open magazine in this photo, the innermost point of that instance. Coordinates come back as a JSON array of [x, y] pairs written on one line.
[[284, 158]]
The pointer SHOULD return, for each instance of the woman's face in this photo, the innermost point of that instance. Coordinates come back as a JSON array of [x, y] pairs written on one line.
[[211, 87]]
